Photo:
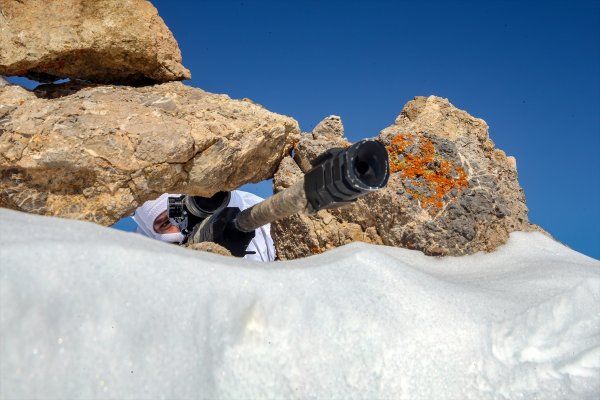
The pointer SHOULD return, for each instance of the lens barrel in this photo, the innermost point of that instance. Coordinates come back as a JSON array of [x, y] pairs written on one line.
[[203, 207], [187, 211]]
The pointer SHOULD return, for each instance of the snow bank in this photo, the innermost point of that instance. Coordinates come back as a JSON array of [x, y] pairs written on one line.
[[90, 312]]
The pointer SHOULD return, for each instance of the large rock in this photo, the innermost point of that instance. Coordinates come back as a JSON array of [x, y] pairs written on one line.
[[450, 193], [328, 133], [122, 41], [95, 152]]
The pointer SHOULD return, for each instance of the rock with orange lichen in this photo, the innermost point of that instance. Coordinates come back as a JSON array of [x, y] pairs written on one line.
[[451, 192]]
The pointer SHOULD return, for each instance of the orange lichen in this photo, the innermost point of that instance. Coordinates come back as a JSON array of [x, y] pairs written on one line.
[[316, 250], [415, 157]]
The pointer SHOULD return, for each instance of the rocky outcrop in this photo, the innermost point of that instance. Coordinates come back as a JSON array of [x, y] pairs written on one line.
[[96, 40], [95, 152], [451, 191]]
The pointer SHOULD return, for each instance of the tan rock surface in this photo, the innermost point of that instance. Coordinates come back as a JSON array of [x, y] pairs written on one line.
[[209, 247], [451, 191], [122, 41], [327, 134], [95, 152]]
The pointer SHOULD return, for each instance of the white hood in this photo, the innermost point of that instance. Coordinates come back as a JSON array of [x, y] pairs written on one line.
[[146, 215]]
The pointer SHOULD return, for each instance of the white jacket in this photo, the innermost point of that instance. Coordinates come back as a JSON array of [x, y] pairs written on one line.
[[262, 243]]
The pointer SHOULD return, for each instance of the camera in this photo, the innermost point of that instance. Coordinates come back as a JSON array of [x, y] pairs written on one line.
[[188, 211]]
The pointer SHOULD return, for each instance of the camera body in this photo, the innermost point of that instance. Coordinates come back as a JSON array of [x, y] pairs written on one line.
[[188, 211]]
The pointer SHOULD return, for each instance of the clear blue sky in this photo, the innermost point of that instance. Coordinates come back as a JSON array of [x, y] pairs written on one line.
[[530, 69]]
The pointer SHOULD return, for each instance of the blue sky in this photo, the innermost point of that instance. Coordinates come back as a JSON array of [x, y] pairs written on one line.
[[530, 69]]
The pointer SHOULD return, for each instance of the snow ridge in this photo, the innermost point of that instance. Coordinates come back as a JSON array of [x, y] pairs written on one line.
[[552, 347], [90, 312]]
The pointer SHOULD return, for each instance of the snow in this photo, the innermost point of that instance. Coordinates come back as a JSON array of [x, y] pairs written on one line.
[[91, 312]]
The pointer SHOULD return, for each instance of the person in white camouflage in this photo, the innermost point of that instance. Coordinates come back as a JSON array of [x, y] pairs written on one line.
[[153, 221]]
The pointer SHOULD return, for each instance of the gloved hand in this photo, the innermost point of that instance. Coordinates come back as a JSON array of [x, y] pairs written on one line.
[[220, 228]]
